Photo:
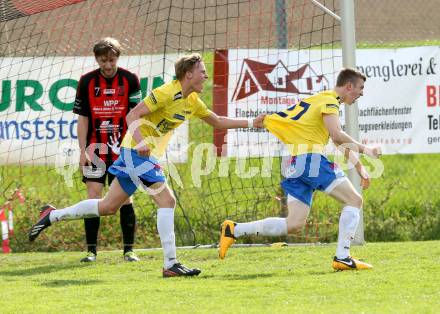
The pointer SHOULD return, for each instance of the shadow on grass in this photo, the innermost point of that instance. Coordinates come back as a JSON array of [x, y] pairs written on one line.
[[65, 283], [40, 270], [320, 272], [240, 277], [326, 273]]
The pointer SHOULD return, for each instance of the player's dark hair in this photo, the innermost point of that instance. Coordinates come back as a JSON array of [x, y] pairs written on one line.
[[107, 45], [186, 64], [349, 75]]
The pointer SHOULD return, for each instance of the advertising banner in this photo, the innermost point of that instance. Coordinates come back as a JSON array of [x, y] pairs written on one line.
[[400, 109], [37, 125]]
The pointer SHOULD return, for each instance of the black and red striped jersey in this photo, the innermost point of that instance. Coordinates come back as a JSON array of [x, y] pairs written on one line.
[[106, 102]]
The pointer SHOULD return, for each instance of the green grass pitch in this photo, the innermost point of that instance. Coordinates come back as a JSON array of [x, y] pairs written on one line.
[[299, 279]]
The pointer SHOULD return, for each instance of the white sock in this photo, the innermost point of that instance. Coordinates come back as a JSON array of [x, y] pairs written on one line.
[[265, 227], [83, 209], [165, 227], [348, 223]]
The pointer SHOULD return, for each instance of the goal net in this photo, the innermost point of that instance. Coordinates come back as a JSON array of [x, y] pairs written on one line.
[[261, 56]]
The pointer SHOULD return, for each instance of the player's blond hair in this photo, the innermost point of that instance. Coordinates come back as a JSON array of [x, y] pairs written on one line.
[[186, 64], [349, 75], [107, 45]]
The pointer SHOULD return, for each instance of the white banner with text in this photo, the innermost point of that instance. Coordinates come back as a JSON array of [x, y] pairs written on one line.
[[37, 125], [400, 109]]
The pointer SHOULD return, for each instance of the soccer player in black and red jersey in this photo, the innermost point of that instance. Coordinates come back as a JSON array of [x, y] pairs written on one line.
[[103, 99]]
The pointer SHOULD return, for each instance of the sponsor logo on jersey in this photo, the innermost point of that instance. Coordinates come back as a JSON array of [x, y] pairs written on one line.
[[178, 96], [109, 91], [332, 106], [153, 99], [186, 111], [107, 127], [111, 102], [165, 126]]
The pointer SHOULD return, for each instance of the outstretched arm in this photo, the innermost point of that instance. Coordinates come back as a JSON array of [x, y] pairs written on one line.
[[82, 130], [222, 122], [353, 158], [339, 137], [350, 147], [133, 122]]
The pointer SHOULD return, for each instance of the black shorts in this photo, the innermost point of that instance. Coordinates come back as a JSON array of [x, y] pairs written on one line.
[[99, 175]]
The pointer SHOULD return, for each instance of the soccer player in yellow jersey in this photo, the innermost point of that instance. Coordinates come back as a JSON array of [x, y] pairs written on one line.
[[306, 128], [150, 124]]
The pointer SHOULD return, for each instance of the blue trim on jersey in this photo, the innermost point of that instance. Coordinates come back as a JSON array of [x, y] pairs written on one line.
[[307, 173], [179, 117], [132, 170]]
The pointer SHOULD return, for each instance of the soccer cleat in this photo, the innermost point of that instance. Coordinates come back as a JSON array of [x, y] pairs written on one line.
[[91, 257], [42, 223], [130, 256], [179, 270], [227, 237], [349, 263]]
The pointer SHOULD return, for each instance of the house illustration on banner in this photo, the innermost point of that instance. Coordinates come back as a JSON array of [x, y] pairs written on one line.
[[257, 76]]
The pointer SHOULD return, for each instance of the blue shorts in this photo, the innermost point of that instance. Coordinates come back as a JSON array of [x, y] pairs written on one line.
[[132, 170], [310, 172]]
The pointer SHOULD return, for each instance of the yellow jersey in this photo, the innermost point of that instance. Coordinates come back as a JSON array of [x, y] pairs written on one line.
[[168, 110], [301, 126]]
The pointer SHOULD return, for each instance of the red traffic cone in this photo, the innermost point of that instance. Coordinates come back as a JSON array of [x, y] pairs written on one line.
[[5, 246]]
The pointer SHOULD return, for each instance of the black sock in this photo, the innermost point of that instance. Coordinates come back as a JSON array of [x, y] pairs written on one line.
[[91, 226], [128, 226]]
